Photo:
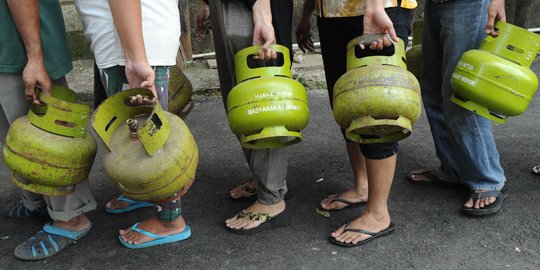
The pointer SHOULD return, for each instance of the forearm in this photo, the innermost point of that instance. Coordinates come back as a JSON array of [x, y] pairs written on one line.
[[128, 22], [308, 9], [25, 14], [262, 12]]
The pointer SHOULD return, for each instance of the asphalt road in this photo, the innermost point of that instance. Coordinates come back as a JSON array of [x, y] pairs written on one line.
[[431, 233]]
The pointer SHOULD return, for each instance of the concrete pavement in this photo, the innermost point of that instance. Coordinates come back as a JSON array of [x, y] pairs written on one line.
[[431, 233]]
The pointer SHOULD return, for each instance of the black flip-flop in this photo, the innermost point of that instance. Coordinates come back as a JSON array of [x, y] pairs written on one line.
[[336, 198], [435, 180], [270, 222], [373, 235], [487, 210]]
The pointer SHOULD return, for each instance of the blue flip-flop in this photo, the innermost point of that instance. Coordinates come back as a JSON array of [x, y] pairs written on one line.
[[159, 240], [48, 242], [132, 205]]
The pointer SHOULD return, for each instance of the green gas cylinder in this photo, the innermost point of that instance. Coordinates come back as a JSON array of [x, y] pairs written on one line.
[[495, 80], [414, 54], [151, 154], [179, 93], [377, 100], [267, 108], [50, 150]]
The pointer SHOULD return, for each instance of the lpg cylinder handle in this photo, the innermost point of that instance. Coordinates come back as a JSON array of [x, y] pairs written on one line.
[[115, 110], [245, 72], [59, 113], [396, 59], [513, 43]]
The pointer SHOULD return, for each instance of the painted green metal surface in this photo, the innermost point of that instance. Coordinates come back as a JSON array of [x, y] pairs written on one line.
[[50, 150], [414, 54], [115, 110], [180, 92], [495, 80], [377, 99], [268, 108]]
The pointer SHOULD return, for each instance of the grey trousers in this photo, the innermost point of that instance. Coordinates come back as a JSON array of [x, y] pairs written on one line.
[[232, 28], [14, 105]]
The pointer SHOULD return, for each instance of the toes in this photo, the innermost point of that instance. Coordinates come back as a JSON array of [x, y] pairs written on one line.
[[469, 203], [337, 232], [230, 220]]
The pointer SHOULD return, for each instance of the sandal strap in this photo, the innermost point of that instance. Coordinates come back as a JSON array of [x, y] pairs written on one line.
[[74, 235], [147, 233], [123, 198], [485, 194], [249, 189], [254, 216], [348, 228], [345, 201]]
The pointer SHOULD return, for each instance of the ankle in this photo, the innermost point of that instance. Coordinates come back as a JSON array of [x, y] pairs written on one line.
[[78, 222], [358, 192], [279, 206], [377, 215], [175, 224]]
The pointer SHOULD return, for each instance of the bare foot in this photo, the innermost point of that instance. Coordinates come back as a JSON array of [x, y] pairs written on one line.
[[367, 221], [116, 204], [75, 224], [348, 198], [155, 226], [480, 203], [245, 190], [427, 175], [257, 207], [536, 169]]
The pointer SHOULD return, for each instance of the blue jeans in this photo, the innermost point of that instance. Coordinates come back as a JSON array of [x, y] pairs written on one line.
[[464, 141]]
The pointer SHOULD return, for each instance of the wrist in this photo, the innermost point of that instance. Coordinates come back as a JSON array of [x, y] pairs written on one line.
[[261, 12], [372, 6]]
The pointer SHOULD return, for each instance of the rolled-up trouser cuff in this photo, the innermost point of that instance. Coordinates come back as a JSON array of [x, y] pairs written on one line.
[[270, 168], [66, 207], [32, 201], [268, 197]]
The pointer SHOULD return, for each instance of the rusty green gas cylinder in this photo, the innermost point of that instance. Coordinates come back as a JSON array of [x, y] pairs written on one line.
[[267, 108], [50, 150], [377, 100], [180, 92], [152, 160], [414, 54], [495, 81]]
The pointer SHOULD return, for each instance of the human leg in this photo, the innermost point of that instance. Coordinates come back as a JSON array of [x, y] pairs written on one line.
[[270, 168], [12, 106], [334, 34], [68, 213], [232, 25], [375, 220], [232, 29], [463, 140], [70, 223], [471, 135], [358, 193], [166, 226]]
